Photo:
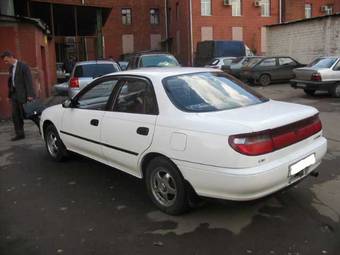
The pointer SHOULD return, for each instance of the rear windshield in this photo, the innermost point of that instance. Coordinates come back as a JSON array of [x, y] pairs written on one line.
[[209, 91], [323, 62], [93, 70], [158, 61]]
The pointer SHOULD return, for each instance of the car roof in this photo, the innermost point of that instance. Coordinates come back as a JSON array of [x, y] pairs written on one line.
[[163, 72], [95, 62]]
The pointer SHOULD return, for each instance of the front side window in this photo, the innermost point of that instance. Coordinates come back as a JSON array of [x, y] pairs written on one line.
[[136, 96], [308, 11], [206, 7], [268, 62], [265, 8], [126, 16], [209, 91], [154, 16], [97, 97], [236, 8]]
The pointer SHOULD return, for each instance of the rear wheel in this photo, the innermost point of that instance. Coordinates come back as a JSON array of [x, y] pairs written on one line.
[[309, 92], [264, 80], [55, 147], [335, 90], [166, 186]]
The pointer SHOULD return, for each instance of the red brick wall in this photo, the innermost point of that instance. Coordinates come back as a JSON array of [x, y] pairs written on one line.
[[222, 22], [295, 9], [25, 41]]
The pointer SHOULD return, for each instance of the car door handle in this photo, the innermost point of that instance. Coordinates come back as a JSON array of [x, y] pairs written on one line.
[[143, 131], [94, 122]]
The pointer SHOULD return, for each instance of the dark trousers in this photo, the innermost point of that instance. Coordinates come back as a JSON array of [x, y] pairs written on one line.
[[17, 116]]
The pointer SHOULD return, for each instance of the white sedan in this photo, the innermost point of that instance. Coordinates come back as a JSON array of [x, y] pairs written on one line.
[[188, 132]]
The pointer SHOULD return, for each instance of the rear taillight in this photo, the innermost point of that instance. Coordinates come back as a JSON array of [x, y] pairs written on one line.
[[267, 141], [316, 77], [74, 82]]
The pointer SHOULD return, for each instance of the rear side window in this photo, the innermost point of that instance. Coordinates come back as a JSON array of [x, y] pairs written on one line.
[[94, 70], [206, 92], [286, 61], [158, 61], [227, 61]]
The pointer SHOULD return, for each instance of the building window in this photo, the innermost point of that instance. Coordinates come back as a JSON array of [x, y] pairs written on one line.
[[308, 11], [265, 8], [154, 16], [236, 7], [126, 16], [206, 7], [327, 9]]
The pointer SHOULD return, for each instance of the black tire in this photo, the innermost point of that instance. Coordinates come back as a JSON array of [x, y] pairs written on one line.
[[335, 90], [166, 186], [265, 80], [309, 92], [54, 145]]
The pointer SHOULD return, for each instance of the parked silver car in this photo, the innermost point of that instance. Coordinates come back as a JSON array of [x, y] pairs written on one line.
[[86, 71], [322, 74], [236, 65]]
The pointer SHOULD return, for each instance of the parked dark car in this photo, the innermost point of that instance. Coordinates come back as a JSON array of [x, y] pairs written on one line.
[[208, 50], [322, 74], [267, 70], [236, 65], [152, 59]]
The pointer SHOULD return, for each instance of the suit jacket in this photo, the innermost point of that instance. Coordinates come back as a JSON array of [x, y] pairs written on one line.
[[23, 83]]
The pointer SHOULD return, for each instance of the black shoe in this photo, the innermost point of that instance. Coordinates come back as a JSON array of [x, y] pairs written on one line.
[[18, 137]]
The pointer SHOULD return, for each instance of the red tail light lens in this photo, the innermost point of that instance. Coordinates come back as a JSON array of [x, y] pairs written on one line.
[[267, 141], [316, 77], [74, 83]]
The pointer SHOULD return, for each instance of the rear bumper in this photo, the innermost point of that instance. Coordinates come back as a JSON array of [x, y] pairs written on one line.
[[250, 183], [312, 85]]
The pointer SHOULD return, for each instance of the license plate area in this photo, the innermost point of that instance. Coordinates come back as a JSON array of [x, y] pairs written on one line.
[[299, 169]]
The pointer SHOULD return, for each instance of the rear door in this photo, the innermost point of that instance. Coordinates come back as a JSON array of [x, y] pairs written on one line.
[[128, 127]]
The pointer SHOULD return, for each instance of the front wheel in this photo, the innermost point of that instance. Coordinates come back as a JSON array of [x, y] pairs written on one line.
[[264, 80], [55, 147], [166, 186]]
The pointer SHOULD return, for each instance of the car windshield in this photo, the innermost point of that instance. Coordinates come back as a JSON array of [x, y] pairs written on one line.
[[209, 91], [158, 61], [93, 70], [251, 61], [322, 63]]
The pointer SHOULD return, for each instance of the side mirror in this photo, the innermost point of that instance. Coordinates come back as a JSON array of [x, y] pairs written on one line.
[[68, 103]]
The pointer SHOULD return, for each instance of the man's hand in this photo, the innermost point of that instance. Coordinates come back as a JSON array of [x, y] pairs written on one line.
[[29, 99]]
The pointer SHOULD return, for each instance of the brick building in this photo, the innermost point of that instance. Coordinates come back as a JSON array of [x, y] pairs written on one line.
[[301, 9]]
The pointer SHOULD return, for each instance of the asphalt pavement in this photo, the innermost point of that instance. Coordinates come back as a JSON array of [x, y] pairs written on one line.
[[86, 208]]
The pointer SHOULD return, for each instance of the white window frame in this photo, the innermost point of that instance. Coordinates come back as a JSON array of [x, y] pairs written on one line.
[[308, 10], [206, 8], [265, 8], [126, 16], [154, 16], [236, 8]]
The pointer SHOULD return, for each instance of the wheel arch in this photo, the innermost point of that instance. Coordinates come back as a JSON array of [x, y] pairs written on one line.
[[46, 123]]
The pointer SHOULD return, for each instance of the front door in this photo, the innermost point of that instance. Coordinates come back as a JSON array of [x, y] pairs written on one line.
[[82, 123], [127, 130]]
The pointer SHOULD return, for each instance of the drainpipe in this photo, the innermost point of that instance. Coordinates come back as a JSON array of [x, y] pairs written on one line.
[[280, 11], [166, 24], [191, 36]]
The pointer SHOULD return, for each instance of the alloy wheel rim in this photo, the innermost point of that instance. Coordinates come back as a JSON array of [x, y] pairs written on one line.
[[52, 144], [164, 187]]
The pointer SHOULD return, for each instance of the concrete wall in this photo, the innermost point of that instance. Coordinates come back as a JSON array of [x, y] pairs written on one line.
[[305, 40]]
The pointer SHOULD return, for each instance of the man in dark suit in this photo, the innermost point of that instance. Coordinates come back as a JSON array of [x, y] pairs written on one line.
[[20, 90]]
